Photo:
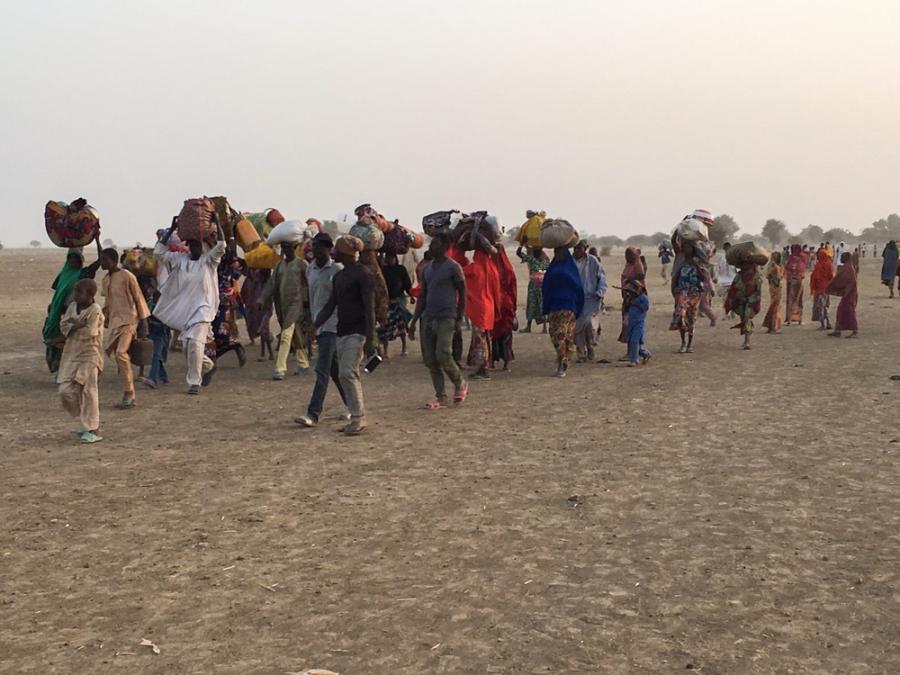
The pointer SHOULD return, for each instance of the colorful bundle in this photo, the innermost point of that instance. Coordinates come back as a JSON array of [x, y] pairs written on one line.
[[71, 225], [140, 262]]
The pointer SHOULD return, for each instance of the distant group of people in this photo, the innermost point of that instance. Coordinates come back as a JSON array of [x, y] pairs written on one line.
[[327, 297]]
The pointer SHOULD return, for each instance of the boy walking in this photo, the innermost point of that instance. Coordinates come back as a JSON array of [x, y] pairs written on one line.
[[320, 275], [353, 295], [126, 315], [82, 360]]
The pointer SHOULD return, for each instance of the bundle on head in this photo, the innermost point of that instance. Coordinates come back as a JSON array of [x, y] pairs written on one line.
[[368, 232], [477, 231], [195, 221], [556, 232], [71, 225], [264, 221], [440, 221], [140, 262], [227, 216], [748, 253]]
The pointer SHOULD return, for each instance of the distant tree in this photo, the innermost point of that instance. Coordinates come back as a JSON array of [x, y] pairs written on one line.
[[811, 234], [838, 234], [34, 243], [775, 231], [1, 245], [882, 230], [330, 228], [108, 243], [746, 237], [610, 241], [723, 229]]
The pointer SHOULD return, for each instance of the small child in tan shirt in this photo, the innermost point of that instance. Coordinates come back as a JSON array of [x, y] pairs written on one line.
[[82, 360]]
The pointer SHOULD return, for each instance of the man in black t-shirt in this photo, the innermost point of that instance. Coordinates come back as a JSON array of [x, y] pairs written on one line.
[[353, 294]]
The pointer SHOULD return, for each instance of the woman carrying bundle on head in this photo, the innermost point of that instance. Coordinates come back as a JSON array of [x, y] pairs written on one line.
[[745, 296], [563, 302], [775, 277], [794, 272], [821, 276]]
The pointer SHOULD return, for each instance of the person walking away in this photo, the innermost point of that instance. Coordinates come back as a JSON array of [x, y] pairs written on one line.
[[399, 286], [844, 285], [745, 299], [189, 300], [665, 261], [775, 276], [563, 304], [288, 290], [889, 266], [638, 305], [794, 273], [821, 276], [63, 288], [353, 296], [593, 283], [441, 307], [537, 262], [320, 275], [81, 361], [126, 314]]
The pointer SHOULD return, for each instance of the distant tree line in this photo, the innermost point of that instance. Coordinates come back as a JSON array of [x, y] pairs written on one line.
[[774, 232]]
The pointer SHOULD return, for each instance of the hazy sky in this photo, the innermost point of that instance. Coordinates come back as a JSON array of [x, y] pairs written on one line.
[[620, 116]]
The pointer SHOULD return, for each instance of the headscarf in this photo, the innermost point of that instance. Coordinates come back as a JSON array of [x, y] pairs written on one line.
[[796, 263], [634, 268], [844, 282], [348, 244], [562, 286], [889, 266], [774, 269], [822, 273]]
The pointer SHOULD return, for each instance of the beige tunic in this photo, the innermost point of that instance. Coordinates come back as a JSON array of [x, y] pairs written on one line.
[[82, 352]]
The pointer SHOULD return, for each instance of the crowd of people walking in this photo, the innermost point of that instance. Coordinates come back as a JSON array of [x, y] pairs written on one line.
[[325, 299]]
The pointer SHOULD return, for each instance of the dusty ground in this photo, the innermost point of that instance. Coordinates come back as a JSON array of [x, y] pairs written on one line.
[[725, 512]]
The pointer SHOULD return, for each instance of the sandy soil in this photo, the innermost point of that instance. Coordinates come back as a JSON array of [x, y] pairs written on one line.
[[723, 512]]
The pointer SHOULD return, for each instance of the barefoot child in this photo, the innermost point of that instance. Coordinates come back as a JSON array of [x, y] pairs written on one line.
[[82, 359], [637, 305]]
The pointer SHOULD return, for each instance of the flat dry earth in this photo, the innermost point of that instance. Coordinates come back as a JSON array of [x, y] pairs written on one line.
[[722, 512]]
